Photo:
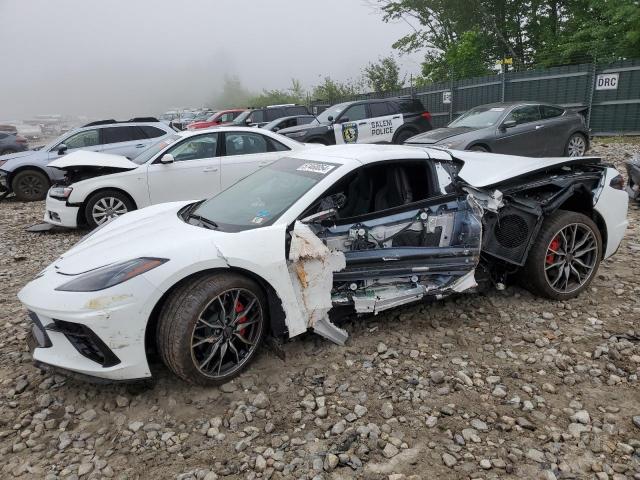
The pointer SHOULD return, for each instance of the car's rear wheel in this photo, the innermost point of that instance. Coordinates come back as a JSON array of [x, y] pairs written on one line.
[[576, 145], [211, 328], [30, 185], [105, 205], [403, 136], [565, 257]]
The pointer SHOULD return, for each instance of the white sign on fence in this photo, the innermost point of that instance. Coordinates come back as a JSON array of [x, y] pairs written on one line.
[[607, 81], [446, 96]]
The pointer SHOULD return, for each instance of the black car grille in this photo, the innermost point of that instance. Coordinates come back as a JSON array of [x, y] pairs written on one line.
[[508, 235], [86, 342]]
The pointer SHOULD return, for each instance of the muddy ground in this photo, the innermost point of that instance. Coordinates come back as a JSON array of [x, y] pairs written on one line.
[[498, 385]]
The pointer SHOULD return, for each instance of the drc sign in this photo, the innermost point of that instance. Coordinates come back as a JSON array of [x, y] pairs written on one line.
[[607, 81]]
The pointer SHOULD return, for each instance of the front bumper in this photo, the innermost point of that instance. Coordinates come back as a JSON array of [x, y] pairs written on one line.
[[57, 212], [100, 334], [4, 181], [612, 206]]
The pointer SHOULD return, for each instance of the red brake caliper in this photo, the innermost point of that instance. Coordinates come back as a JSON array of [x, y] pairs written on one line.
[[554, 245], [242, 319]]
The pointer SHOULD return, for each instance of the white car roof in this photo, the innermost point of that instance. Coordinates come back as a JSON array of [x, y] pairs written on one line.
[[191, 133], [369, 153]]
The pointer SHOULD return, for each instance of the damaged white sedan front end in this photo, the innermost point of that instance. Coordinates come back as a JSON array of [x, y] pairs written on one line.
[[355, 229]]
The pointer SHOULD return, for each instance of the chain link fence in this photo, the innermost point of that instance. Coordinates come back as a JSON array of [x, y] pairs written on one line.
[[607, 94]]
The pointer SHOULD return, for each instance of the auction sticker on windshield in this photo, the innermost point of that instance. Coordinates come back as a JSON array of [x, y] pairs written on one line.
[[321, 168]]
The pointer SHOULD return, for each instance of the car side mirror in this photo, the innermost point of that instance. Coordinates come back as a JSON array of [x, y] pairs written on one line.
[[247, 121], [275, 129], [167, 158], [62, 149], [330, 118], [508, 124], [320, 216]]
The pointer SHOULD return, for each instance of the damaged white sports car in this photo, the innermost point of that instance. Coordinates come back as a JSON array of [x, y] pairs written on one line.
[[346, 229]]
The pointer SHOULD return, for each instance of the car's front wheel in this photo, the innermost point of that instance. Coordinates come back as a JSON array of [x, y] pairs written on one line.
[[211, 327], [565, 257], [576, 145], [105, 205], [30, 185]]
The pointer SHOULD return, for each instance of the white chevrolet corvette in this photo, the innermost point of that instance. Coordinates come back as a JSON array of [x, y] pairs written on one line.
[[186, 166], [356, 229]]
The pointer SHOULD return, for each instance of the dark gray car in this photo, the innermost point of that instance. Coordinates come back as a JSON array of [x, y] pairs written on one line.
[[29, 176], [517, 128], [11, 142]]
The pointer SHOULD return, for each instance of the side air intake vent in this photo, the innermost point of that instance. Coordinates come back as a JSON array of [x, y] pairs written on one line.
[[511, 231]]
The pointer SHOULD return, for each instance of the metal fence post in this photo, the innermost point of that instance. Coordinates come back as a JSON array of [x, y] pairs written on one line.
[[503, 82], [452, 97], [591, 93]]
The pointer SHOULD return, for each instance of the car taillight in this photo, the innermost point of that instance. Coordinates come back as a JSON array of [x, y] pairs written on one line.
[[426, 115], [617, 182], [20, 139]]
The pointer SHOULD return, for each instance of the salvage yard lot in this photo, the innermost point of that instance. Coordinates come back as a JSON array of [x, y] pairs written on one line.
[[498, 385]]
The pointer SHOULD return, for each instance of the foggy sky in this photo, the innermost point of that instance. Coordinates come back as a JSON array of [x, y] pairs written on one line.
[[142, 57]]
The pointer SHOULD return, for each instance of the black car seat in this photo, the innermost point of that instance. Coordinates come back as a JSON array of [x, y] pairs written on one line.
[[359, 196], [397, 190]]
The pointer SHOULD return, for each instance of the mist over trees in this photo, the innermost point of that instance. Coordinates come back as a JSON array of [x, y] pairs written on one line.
[[462, 39]]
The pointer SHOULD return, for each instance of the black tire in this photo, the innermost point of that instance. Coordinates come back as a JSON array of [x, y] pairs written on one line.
[[30, 185], [478, 148], [540, 268], [115, 203], [403, 136], [576, 145], [181, 317]]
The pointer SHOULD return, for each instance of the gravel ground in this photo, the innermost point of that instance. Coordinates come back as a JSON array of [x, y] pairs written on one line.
[[500, 385]]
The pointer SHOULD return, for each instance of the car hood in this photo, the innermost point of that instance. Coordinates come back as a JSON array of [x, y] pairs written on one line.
[[93, 159], [302, 128], [127, 237], [482, 169], [36, 154], [438, 135]]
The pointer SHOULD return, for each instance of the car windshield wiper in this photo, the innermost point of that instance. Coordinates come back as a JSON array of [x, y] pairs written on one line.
[[203, 220]]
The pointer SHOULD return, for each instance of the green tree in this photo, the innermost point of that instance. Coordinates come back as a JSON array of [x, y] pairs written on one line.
[[294, 94], [333, 91], [384, 76]]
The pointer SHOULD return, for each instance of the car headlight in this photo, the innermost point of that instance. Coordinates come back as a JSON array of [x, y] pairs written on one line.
[[61, 193], [296, 134], [111, 275]]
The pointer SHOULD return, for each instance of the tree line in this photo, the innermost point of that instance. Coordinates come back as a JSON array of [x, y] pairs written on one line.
[[467, 38]]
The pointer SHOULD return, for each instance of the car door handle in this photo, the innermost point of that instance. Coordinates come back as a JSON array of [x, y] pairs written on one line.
[[140, 145], [396, 117], [538, 127], [362, 123], [210, 169]]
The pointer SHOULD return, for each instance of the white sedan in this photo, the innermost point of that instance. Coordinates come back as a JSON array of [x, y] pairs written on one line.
[[185, 166], [353, 229]]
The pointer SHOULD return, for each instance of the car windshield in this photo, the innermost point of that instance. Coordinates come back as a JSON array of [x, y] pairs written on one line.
[[149, 153], [479, 117], [261, 198], [333, 111], [241, 119], [212, 117]]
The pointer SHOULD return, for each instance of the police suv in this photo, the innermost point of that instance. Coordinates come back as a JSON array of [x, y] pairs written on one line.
[[388, 120]]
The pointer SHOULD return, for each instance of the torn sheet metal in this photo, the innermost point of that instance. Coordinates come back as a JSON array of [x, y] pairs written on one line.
[[311, 266], [488, 201]]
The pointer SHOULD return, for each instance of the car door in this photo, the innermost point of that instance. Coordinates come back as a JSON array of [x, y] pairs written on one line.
[[407, 243], [556, 129], [353, 125], [126, 140], [245, 152], [385, 120], [194, 173], [525, 137]]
